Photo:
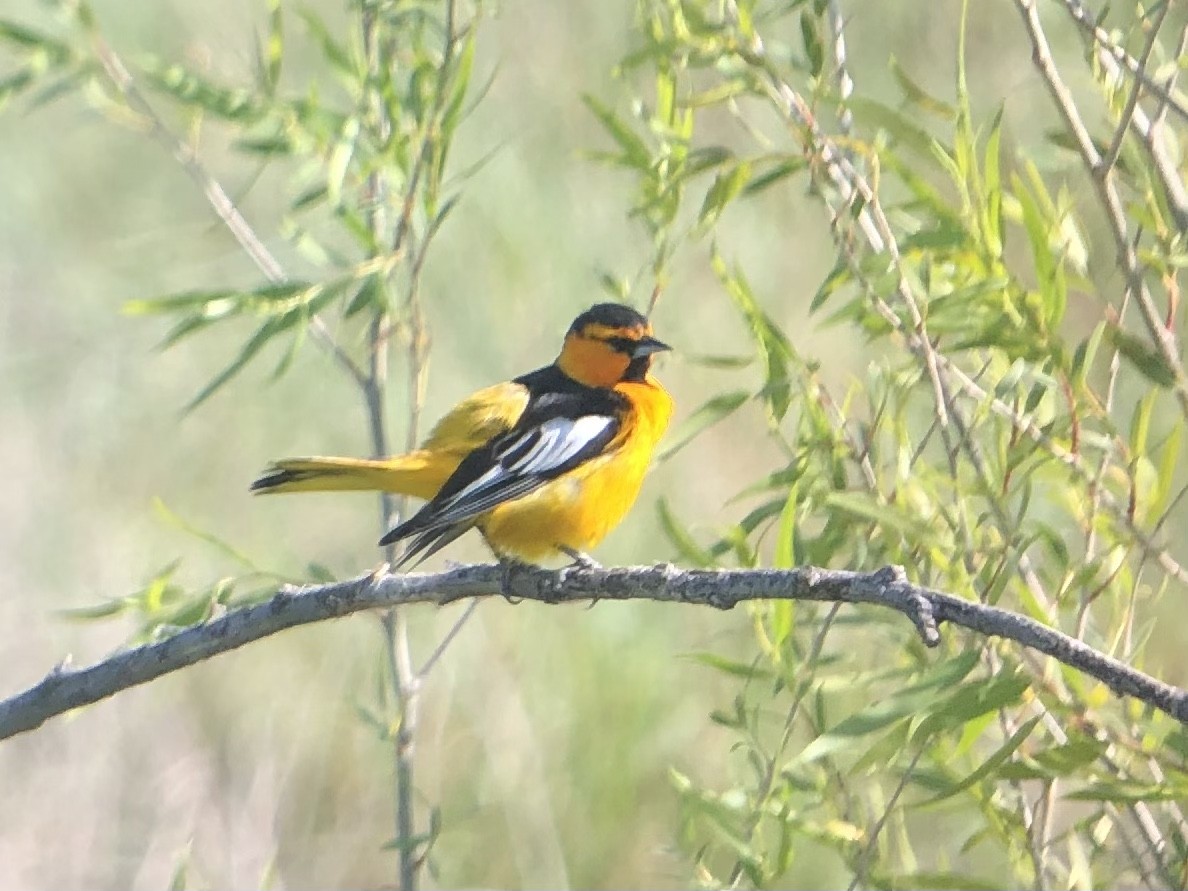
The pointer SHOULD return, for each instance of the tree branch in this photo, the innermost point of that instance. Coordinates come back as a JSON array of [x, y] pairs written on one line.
[[65, 688]]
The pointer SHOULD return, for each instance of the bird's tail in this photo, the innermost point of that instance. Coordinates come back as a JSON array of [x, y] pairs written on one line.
[[419, 474]]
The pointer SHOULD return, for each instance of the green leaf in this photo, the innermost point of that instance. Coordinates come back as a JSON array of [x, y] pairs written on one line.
[[1145, 358], [902, 128], [839, 276], [635, 150], [723, 363], [849, 732], [716, 409], [863, 506], [811, 37], [258, 298], [28, 39], [773, 346], [727, 186], [775, 174], [98, 611], [333, 51], [680, 537], [918, 96], [265, 333], [987, 767], [1129, 792], [1085, 353], [970, 701], [942, 880], [785, 547], [1169, 460], [229, 103], [273, 52], [1140, 424], [732, 667]]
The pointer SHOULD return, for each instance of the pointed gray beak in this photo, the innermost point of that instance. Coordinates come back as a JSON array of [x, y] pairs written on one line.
[[647, 346]]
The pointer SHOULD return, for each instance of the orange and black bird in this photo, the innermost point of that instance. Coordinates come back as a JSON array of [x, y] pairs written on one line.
[[544, 465]]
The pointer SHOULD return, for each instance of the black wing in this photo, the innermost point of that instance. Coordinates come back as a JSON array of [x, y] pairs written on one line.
[[557, 432]]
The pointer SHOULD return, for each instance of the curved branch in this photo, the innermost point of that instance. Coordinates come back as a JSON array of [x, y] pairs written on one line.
[[65, 688]]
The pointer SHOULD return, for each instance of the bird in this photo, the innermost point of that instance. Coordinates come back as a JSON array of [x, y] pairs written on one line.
[[544, 465]]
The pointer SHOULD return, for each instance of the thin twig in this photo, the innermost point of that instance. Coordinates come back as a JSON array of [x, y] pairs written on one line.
[[121, 78], [876, 830], [1110, 158], [841, 71], [445, 642], [1107, 192], [1120, 57]]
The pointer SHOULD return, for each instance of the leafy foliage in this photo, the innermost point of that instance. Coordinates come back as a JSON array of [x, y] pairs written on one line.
[[986, 450], [1016, 436]]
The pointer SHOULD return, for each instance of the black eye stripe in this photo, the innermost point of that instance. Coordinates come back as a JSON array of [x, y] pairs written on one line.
[[622, 344]]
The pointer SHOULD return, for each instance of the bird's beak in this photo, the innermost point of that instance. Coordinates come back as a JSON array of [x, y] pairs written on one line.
[[647, 346]]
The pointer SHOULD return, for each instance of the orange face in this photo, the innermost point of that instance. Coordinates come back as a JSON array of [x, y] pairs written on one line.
[[600, 355]]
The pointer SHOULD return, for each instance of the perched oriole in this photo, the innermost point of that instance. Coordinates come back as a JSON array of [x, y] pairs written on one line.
[[544, 465]]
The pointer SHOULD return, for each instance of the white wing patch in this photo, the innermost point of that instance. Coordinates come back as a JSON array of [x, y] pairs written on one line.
[[560, 439], [537, 451]]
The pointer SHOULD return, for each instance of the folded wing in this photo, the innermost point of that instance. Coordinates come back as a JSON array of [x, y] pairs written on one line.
[[557, 433]]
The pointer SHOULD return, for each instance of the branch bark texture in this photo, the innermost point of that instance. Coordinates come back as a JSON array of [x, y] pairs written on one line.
[[66, 688]]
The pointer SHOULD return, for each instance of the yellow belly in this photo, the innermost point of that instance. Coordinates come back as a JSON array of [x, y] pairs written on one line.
[[574, 512]]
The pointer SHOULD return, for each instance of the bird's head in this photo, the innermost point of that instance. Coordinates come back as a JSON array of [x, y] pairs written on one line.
[[607, 344]]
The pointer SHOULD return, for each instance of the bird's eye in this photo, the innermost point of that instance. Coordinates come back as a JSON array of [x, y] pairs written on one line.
[[622, 344]]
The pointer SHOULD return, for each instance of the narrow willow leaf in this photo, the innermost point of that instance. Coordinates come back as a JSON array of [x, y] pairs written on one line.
[[987, 767], [333, 51], [810, 36], [223, 547], [1124, 792], [29, 39], [190, 89], [459, 85], [709, 413], [723, 363], [863, 506], [785, 547], [635, 150], [1140, 424], [943, 880], [1145, 358], [850, 732], [681, 538], [918, 96], [969, 701], [903, 128], [727, 186], [731, 667], [265, 333], [272, 53], [774, 174], [98, 611], [774, 347]]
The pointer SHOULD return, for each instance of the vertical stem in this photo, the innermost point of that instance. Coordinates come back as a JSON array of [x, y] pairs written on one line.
[[398, 657]]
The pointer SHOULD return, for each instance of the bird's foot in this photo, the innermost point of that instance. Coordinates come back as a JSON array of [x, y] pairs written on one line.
[[507, 569], [581, 562]]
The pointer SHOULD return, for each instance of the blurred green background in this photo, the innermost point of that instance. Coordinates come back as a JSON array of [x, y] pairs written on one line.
[[546, 733]]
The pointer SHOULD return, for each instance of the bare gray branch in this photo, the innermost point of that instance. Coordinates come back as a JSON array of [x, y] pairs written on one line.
[[65, 688]]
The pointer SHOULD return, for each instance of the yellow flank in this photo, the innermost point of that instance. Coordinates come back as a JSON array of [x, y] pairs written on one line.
[[557, 457], [577, 510]]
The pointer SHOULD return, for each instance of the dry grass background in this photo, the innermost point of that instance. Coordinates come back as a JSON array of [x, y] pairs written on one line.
[[546, 732]]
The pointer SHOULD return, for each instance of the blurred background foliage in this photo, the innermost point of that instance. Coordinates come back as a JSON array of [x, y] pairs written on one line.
[[635, 149]]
